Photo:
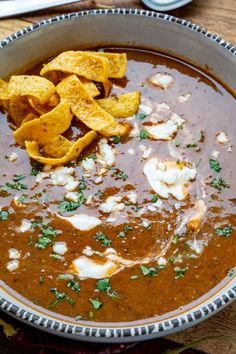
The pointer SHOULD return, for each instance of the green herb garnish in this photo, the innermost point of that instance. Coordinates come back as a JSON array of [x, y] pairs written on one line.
[[215, 165], [140, 116], [100, 236], [225, 231], [59, 297], [116, 139], [104, 285], [154, 198], [36, 168], [177, 143], [134, 277], [191, 146], [151, 272], [4, 214], [82, 185], [119, 174], [143, 134], [73, 285], [48, 234], [70, 206], [231, 272], [180, 272], [41, 280], [96, 303], [219, 183], [175, 238]]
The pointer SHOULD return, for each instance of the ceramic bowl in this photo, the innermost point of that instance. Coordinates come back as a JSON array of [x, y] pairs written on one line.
[[134, 28]]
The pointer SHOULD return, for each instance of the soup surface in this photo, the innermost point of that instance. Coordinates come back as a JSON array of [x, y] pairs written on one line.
[[138, 225]]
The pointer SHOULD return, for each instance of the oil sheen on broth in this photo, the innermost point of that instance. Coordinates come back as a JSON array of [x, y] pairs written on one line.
[[157, 229]]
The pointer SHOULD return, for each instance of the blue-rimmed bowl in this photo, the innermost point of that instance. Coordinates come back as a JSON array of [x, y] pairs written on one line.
[[132, 28]]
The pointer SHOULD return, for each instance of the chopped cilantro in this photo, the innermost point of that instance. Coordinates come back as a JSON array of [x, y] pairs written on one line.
[[140, 116], [225, 231], [36, 168], [127, 228], [215, 165], [180, 272], [16, 185], [175, 238], [116, 139], [4, 214], [190, 146], [59, 297], [100, 236], [104, 285], [119, 174], [43, 242], [151, 272], [90, 315], [36, 223], [177, 143], [134, 277], [154, 198], [56, 256], [73, 285], [48, 234], [41, 280], [22, 198], [49, 231], [143, 134], [82, 185], [219, 183], [96, 303], [18, 178], [70, 206], [231, 272], [99, 193]]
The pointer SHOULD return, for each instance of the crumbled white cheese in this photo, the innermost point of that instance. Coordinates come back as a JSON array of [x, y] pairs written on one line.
[[134, 133], [102, 171], [215, 154], [13, 265], [196, 216], [112, 204], [131, 151], [132, 197], [111, 219], [82, 222], [87, 251], [161, 261], [222, 138], [169, 177], [61, 176], [25, 225], [166, 130], [162, 107], [12, 157], [184, 98], [145, 223], [106, 154], [145, 109], [88, 164], [162, 80], [13, 253], [60, 248], [89, 199], [146, 151], [98, 180], [72, 196], [197, 245]]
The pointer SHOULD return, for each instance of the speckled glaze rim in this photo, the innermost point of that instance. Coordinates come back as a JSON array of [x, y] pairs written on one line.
[[204, 307]]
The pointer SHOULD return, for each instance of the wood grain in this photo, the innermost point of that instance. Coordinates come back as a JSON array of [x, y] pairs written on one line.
[[218, 16]]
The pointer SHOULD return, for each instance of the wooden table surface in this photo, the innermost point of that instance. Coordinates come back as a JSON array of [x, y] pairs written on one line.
[[218, 16]]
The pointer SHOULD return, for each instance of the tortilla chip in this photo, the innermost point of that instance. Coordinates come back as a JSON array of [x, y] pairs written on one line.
[[31, 85], [84, 107], [18, 108], [4, 94], [117, 61], [107, 85], [32, 148], [36, 106], [123, 106], [46, 127], [28, 118], [90, 87], [95, 68], [57, 147], [54, 100]]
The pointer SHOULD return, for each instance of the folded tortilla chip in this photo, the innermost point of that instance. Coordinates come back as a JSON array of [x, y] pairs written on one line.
[[4, 94], [90, 87], [75, 150], [41, 109], [31, 85], [85, 64], [123, 106], [46, 127], [117, 61], [28, 118], [84, 107], [18, 109], [57, 147]]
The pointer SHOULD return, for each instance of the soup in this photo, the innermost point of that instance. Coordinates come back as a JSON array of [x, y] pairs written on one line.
[[137, 225]]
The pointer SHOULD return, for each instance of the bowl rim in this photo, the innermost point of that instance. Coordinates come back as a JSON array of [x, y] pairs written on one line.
[[131, 330]]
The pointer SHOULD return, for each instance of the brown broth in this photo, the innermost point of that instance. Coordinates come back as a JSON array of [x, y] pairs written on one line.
[[210, 109]]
